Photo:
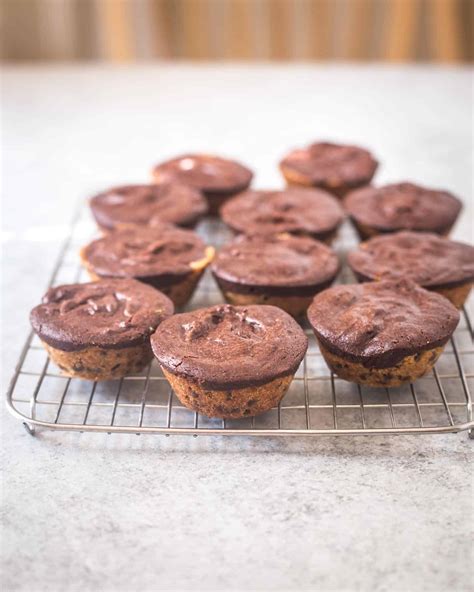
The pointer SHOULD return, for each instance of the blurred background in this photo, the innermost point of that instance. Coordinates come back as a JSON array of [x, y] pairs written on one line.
[[128, 30]]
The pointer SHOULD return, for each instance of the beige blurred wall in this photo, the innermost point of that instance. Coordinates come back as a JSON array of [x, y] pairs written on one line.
[[125, 30]]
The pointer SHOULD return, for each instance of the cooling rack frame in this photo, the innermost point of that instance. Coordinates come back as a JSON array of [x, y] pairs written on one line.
[[449, 411]]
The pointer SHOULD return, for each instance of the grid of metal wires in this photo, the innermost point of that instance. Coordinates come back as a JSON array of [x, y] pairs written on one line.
[[317, 403]]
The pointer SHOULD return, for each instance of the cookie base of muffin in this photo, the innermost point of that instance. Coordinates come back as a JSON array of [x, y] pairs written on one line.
[[229, 404], [457, 295], [296, 306], [365, 232], [409, 369], [339, 191], [181, 292], [98, 363], [325, 237]]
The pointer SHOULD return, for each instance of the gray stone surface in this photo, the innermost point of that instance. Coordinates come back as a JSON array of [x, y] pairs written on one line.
[[92, 512]]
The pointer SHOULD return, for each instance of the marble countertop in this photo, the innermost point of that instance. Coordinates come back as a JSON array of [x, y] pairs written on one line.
[[112, 513]]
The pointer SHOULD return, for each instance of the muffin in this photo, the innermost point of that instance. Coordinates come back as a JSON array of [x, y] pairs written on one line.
[[282, 270], [381, 334], [230, 362], [433, 262], [297, 211], [333, 167], [402, 206], [100, 330], [147, 205], [168, 258], [218, 178]]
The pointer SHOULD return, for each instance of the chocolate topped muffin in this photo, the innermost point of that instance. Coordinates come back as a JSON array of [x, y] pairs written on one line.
[[100, 330], [168, 258], [218, 178], [175, 203], [281, 270], [333, 167], [401, 206], [433, 262], [381, 333], [297, 211], [227, 361]]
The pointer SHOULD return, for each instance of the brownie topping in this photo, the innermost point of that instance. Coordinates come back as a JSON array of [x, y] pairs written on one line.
[[403, 206], [225, 347], [145, 252], [283, 261], [208, 173], [379, 323], [148, 204], [109, 313], [427, 259], [331, 165], [294, 210]]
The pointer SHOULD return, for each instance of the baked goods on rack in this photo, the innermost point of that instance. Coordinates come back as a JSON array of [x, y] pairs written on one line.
[[218, 178], [230, 362], [433, 262], [381, 333], [336, 168], [168, 258], [100, 330], [144, 205], [401, 206], [282, 270], [310, 212]]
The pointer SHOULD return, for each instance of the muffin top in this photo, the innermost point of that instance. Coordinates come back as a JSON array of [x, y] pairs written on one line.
[[225, 347], [427, 259], [293, 210], [330, 165], [148, 204], [403, 206], [203, 171], [109, 313], [146, 252], [379, 323], [282, 260]]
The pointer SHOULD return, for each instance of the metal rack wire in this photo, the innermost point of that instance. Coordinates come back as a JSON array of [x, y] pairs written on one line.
[[317, 403]]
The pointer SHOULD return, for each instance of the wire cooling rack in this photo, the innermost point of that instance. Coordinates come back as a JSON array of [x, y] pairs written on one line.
[[317, 403]]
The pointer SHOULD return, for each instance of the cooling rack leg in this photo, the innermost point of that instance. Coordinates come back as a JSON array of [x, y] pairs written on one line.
[[29, 429]]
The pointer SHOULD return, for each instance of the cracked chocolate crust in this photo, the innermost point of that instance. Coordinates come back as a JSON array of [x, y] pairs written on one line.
[[225, 347], [110, 314], [163, 254], [425, 258], [281, 265], [378, 324]]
